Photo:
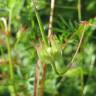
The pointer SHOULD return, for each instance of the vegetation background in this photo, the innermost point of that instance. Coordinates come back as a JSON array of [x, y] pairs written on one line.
[[22, 47]]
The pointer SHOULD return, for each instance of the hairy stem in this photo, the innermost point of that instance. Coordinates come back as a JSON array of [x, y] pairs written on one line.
[[36, 82], [40, 24], [79, 45], [51, 17], [11, 71], [42, 85]]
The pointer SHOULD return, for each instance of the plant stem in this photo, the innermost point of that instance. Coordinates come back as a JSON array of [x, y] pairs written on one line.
[[9, 48], [43, 80], [51, 18], [36, 82], [82, 84], [9, 23], [40, 24], [79, 45], [11, 89], [11, 71], [9, 57], [79, 10], [58, 6]]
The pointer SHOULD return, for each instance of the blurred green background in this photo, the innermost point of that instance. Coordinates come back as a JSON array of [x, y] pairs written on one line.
[[24, 31]]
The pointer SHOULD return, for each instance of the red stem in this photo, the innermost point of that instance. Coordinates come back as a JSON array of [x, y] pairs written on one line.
[[36, 82], [43, 80]]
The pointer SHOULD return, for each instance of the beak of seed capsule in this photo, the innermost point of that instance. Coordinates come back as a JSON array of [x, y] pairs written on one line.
[[87, 23]]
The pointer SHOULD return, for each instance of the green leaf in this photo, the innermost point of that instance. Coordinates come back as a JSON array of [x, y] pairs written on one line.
[[74, 72], [15, 6], [11, 3]]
